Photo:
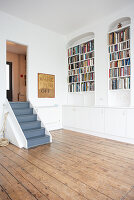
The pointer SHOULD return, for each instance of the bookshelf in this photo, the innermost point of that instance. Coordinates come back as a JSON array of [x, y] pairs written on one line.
[[119, 57], [81, 72]]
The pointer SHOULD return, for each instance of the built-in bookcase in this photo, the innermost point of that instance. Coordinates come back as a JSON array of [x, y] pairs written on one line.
[[81, 71], [119, 55]]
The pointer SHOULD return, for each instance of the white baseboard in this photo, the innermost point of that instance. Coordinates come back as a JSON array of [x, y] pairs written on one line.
[[53, 126], [98, 134]]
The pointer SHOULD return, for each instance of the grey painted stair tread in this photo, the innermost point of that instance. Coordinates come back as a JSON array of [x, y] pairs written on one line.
[[36, 141], [23, 111], [41, 137], [26, 118], [22, 123], [19, 104], [27, 115], [30, 125], [34, 132], [20, 109]]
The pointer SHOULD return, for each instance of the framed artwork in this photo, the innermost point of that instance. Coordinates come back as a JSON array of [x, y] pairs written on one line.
[[46, 85]]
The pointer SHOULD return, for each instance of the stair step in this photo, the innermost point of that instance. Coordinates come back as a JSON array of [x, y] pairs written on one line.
[[36, 141], [35, 132], [26, 118], [24, 111], [30, 125], [19, 104]]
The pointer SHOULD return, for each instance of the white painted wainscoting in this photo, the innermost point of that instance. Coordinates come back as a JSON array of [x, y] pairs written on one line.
[[51, 116], [108, 122]]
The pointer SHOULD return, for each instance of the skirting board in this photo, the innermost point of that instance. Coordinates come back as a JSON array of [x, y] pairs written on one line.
[[98, 134], [53, 126]]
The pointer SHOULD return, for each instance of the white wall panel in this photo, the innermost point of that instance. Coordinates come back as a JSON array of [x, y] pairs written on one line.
[[130, 123], [83, 117], [108, 122], [68, 116], [51, 116], [115, 121]]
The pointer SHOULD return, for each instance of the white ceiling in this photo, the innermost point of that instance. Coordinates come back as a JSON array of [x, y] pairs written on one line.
[[62, 16]]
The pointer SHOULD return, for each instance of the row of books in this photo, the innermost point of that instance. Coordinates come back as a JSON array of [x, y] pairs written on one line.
[[75, 78], [72, 51], [82, 57], [120, 63], [119, 36], [87, 69], [89, 62], [81, 70], [122, 83], [88, 76], [113, 73], [119, 55], [83, 48], [74, 87], [73, 59], [74, 72], [124, 71], [86, 47], [119, 46], [87, 86], [74, 66], [85, 63], [87, 55], [118, 72]]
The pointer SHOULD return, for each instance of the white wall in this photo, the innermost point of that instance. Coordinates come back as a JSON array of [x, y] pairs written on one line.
[[112, 113], [101, 28], [46, 54]]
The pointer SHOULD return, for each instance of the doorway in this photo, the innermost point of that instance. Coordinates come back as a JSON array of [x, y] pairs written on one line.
[[9, 80], [16, 55]]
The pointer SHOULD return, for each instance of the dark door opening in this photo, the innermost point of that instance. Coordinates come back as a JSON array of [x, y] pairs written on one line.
[[16, 58], [9, 80]]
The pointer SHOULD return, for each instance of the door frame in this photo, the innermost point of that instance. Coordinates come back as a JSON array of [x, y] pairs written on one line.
[[10, 80], [27, 64]]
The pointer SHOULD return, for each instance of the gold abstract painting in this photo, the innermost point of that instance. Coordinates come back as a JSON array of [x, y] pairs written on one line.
[[46, 85]]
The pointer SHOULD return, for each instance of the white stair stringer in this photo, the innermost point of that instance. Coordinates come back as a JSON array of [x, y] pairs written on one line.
[[35, 111], [14, 132]]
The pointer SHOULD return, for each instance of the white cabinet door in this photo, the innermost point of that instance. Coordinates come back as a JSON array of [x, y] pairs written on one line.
[[115, 121], [68, 116], [130, 123], [95, 119], [89, 119], [81, 118], [111, 121]]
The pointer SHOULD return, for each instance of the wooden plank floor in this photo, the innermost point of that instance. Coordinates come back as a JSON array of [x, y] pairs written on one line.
[[74, 167]]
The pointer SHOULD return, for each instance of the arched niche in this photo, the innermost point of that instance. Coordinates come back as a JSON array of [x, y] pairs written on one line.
[[80, 39], [124, 21], [119, 96]]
